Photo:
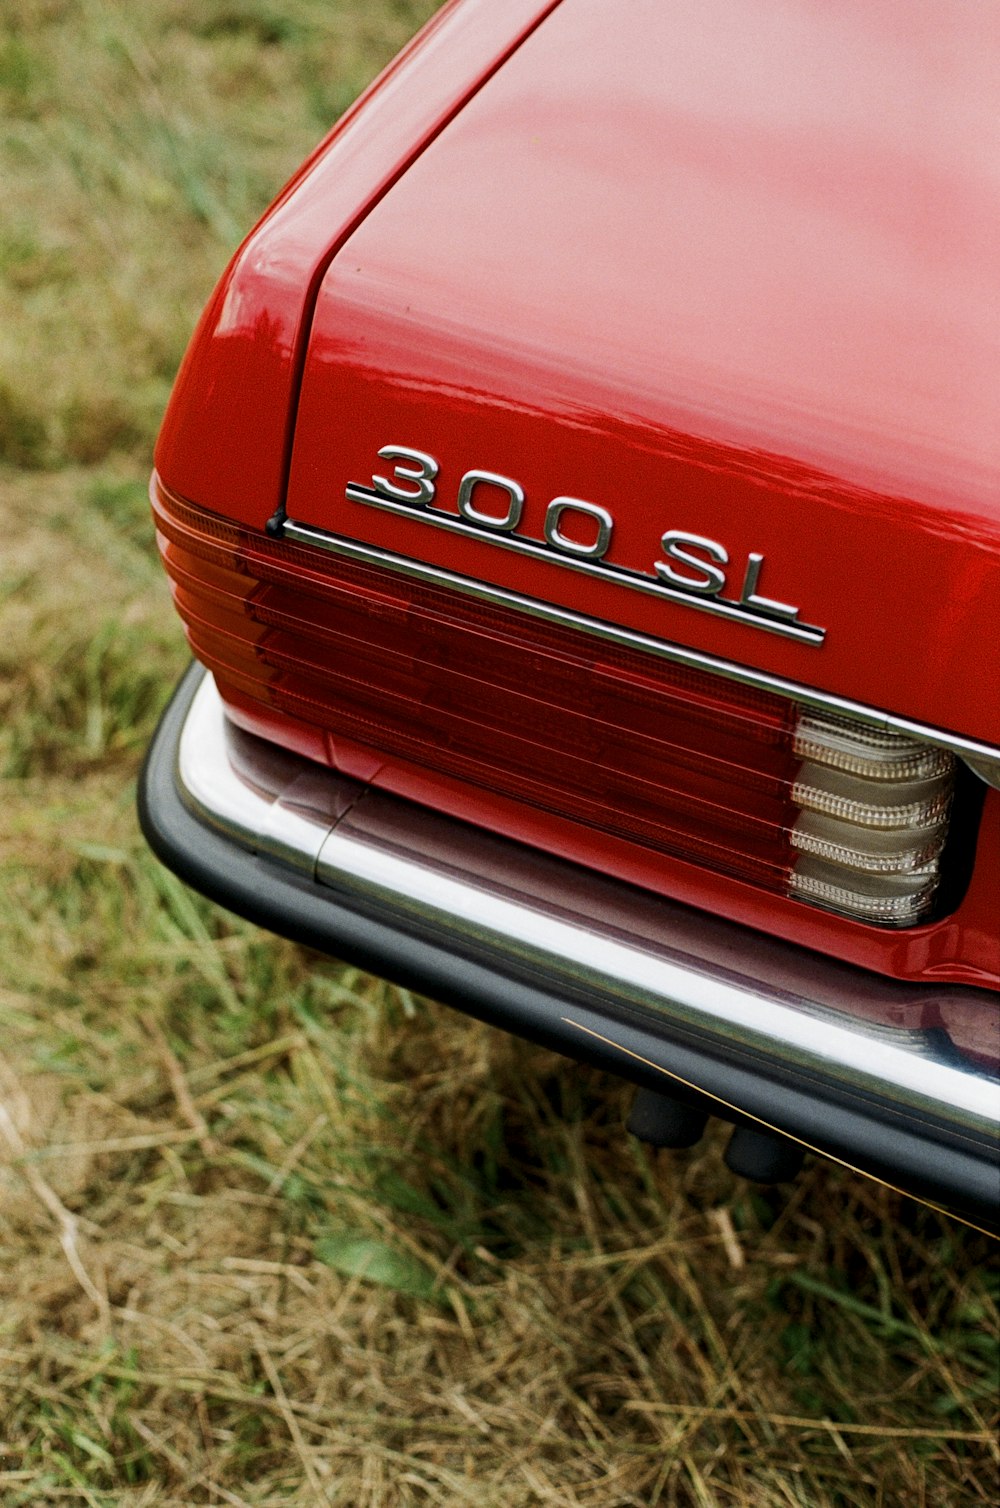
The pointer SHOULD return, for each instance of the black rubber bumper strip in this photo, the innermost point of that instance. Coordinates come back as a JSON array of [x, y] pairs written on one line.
[[960, 1173]]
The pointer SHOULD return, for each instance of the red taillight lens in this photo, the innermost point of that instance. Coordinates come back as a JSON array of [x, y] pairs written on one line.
[[683, 762]]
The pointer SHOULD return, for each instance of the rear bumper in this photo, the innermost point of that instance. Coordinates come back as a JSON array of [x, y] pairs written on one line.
[[840, 1059]]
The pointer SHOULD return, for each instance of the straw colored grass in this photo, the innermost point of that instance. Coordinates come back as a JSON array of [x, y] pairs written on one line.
[[272, 1231]]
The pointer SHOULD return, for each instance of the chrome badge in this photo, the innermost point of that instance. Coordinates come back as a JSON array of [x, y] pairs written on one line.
[[692, 570]]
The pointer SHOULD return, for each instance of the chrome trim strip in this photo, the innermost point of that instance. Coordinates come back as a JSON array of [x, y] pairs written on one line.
[[806, 633], [984, 759], [578, 931]]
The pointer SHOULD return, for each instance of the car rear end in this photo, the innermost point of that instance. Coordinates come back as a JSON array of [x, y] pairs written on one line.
[[582, 495]]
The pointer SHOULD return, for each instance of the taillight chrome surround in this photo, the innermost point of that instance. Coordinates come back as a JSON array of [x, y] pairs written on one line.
[[799, 793]]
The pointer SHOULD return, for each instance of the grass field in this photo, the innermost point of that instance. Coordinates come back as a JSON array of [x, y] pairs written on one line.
[[272, 1231]]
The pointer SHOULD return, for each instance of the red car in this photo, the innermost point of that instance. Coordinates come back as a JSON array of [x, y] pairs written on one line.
[[581, 492]]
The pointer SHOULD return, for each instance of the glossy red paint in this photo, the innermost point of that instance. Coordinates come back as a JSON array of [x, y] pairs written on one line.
[[227, 430], [715, 272], [719, 268]]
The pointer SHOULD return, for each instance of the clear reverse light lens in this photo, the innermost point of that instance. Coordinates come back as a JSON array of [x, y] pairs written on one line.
[[876, 753], [874, 819]]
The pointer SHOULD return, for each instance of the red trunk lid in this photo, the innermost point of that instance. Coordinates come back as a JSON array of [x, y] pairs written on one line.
[[714, 269]]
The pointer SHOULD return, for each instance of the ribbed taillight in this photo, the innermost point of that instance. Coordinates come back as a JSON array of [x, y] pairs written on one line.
[[821, 807]]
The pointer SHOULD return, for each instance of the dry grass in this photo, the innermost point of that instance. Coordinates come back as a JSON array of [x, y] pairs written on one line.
[[273, 1232]]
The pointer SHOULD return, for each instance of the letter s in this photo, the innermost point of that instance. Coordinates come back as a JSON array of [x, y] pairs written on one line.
[[708, 579]]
